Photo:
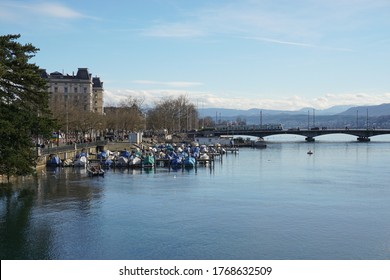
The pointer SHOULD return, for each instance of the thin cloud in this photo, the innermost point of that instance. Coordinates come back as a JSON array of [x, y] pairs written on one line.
[[11, 10], [56, 10], [314, 23], [173, 30], [211, 100], [298, 44], [176, 84], [269, 40]]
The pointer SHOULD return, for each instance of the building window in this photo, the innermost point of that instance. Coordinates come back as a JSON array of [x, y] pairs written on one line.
[[85, 90], [66, 89], [75, 89], [56, 89]]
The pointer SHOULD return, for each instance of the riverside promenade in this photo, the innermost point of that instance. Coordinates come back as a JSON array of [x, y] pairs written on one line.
[[65, 151]]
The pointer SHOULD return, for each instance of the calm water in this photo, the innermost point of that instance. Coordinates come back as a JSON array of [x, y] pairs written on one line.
[[273, 203]]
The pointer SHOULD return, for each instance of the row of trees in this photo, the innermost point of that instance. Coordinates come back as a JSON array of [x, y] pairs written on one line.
[[173, 114]]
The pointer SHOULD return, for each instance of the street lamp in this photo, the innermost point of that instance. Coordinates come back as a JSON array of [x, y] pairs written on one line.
[[357, 119], [67, 117]]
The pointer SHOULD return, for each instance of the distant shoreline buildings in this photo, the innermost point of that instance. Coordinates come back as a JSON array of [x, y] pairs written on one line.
[[80, 91]]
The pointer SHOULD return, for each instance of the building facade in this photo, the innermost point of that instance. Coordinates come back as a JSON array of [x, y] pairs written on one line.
[[80, 91]]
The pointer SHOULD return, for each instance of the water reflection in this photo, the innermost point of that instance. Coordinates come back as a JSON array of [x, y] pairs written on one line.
[[29, 216], [17, 241]]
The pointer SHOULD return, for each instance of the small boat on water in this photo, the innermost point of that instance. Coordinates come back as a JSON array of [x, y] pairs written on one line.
[[106, 158], [189, 162], [204, 158], [82, 161], [310, 152], [122, 162], [176, 162], [54, 161], [95, 170], [259, 143], [148, 161], [134, 161]]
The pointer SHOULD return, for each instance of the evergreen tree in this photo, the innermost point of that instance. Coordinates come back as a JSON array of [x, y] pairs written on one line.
[[24, 112]]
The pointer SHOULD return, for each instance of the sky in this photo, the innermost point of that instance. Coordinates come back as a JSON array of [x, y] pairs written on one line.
[[267, 54]]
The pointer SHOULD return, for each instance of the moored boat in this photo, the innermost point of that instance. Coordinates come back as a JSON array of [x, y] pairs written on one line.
[[148, 161], [95, 170], [122, 162], [189, 161], [204, 158], [54, 161], [259, 143], [82, 161], [135, 162]]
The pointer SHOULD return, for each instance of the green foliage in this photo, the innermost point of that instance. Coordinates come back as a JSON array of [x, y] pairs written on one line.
[[24, 113]]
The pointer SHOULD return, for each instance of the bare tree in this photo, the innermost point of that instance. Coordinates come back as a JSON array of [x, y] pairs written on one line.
[[175, 114]]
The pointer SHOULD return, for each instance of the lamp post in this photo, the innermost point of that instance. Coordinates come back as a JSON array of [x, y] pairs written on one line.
[[67, 117], [145, 121], [314, 117], [261, 119], [357, 119]]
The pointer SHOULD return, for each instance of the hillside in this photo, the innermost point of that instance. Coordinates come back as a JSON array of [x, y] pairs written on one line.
[[335, 117], [373, 111]]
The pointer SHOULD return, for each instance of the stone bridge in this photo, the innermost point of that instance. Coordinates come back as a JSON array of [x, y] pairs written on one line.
[[363, 135]]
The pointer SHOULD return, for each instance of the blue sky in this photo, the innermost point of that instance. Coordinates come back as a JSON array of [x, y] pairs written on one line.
[[269, 54]]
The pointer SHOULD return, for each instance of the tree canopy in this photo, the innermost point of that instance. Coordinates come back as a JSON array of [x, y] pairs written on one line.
[[175, 114], [24, 112]]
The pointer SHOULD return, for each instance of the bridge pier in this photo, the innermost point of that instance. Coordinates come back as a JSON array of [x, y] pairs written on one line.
[[310, 139], [364, 139]]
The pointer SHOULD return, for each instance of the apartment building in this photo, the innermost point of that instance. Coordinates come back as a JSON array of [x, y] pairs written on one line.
[[80, 91]]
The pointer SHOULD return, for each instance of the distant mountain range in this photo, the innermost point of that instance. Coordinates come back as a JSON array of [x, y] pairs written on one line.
[[374, 111], [335, 117], [343, 110]]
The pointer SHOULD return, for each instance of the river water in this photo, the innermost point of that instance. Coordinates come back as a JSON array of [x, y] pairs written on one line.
[[273, 203]]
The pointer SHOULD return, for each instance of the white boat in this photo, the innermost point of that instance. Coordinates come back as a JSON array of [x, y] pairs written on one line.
[[136, 161], [82, 161], [204, 158], [122, 161], [259, 143]]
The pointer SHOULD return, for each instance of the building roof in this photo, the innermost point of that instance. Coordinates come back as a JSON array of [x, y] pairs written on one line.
[[83, 74], [96, 82]]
